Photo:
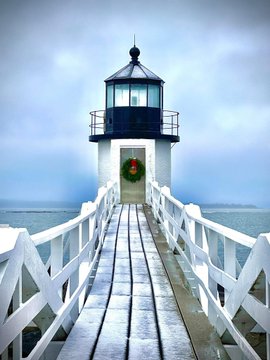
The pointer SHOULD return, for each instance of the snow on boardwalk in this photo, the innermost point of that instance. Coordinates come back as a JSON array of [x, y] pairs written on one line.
[[131, 311]]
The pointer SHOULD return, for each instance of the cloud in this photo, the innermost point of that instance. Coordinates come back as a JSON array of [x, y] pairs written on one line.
[[212, 55]]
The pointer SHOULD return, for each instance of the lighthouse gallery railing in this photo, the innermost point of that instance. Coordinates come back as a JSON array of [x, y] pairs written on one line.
[[169, 124], [236, 299], [49, 296]]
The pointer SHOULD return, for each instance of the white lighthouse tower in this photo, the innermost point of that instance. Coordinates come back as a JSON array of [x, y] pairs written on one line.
[[134, 133]]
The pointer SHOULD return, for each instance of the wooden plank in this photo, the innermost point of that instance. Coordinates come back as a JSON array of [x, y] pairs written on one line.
[[205, 341]]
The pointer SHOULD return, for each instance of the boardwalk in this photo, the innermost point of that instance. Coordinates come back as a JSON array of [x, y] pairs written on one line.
[[131, 311]]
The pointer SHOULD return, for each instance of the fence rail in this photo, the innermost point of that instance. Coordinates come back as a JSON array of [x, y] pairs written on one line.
[[169, 122], [235, 298], [97, 122], [46, 299]]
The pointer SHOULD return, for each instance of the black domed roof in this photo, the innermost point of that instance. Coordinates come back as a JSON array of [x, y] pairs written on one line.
[[134, 70]]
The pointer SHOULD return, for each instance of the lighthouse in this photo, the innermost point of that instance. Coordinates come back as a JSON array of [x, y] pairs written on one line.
[[134, 133]]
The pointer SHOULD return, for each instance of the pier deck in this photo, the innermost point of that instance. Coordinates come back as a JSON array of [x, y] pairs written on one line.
[[131, 312]]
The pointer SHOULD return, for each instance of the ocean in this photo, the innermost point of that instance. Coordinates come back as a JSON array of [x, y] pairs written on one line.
[[36, 220], [248, 221], [251, 222]]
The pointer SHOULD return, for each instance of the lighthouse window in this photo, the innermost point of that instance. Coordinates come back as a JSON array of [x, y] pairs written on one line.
[[109, 96], [122, 95], [138, 95], [153, 96]]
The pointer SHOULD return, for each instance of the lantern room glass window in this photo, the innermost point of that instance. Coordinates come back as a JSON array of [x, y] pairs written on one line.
[[109, 96], [122, 95], [138, 95], [153, 96]]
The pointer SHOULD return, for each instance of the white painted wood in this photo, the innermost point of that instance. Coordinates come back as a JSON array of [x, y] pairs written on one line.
[[74, 249], [212, 240], [162, 164], [57, 258], [104, 162], [11, 274], [229, 260], [198, 258], [17, 300], [157, 160], [18, 251], [194, 237], [267, 302], [85, 231]]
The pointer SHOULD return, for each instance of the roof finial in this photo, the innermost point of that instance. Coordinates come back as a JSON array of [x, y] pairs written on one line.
[[134, 53]]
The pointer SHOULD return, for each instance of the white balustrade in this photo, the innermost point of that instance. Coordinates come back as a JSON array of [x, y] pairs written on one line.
[[235, 298], [47, 298]]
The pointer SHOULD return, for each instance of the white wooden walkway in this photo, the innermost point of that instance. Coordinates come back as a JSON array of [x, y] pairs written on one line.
[[131, 311]]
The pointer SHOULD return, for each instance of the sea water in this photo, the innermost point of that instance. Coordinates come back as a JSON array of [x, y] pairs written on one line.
[[252, 222], [248, 221], [37, 220]]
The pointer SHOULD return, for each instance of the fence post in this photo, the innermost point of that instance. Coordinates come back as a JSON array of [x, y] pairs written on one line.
[[267, 295], [17, 300], [155, 199], [168, 207], [229, 260], [85, 232], [57, 257], [197, 237], [92, 231], [213, 255], [83, 265], [74, 248]]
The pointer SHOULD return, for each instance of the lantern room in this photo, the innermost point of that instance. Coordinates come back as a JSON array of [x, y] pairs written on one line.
[[134, 106], [134, 133]]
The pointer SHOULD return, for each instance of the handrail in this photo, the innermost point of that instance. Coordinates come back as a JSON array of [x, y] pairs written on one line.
[[236, 236], [97, 126], [235, 298], [169, 122], [49, 296], [49, 234]]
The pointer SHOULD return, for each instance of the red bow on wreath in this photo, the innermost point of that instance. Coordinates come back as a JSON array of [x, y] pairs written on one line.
[[133, 167]]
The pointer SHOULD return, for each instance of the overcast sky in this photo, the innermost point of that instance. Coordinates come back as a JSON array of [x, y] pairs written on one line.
[[213, 55]]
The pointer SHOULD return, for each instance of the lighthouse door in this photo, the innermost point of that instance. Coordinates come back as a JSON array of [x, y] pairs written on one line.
[[132, 193]]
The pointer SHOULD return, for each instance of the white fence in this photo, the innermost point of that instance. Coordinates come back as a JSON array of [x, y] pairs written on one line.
[[236, 299], [44, 300]]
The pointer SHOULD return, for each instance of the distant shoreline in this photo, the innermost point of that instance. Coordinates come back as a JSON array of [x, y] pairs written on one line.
[[228, 206], [20, 204]]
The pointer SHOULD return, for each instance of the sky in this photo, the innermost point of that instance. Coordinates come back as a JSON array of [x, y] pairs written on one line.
[[213, 55]]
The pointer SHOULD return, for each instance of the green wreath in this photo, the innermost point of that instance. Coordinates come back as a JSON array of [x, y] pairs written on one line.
[[132, 169]]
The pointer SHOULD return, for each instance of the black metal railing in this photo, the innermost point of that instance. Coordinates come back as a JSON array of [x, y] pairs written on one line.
[[169, 123], [97, 122]]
